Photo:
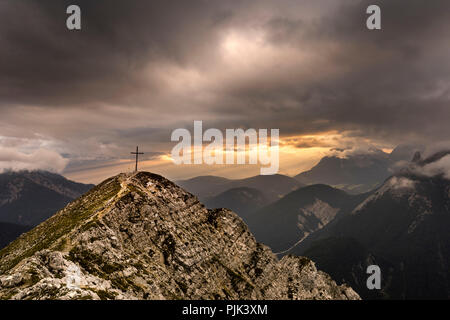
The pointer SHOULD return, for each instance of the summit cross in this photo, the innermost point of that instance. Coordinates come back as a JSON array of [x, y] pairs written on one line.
[[137, 153]]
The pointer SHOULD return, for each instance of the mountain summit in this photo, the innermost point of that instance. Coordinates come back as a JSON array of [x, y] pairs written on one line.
[[140, 236]]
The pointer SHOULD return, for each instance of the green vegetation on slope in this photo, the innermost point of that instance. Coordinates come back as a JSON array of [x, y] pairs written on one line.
[[66, 220]]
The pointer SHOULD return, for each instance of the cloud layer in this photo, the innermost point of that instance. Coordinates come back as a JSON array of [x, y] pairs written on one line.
[[41, 159], [139, 70]]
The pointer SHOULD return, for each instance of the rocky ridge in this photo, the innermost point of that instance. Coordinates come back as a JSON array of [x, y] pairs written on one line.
[[139, 236]]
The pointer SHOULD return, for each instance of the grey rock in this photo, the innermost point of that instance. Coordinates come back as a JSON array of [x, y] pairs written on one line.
[[140, 236]]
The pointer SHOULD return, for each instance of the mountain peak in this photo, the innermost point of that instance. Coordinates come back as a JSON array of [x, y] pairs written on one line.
[[140, 236]]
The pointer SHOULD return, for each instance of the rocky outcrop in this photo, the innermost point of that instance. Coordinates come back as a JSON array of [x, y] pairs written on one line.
[[139, 236]]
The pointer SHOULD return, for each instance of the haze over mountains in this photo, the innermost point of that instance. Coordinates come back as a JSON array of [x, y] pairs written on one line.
[[357, 173], [139, 236], [402, 226]]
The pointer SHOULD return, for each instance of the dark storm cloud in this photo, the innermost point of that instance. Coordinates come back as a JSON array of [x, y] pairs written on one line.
[[392, 84], [139, 69], [41, 62]]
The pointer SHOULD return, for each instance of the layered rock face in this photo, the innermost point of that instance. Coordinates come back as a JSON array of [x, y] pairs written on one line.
[[139, 236]]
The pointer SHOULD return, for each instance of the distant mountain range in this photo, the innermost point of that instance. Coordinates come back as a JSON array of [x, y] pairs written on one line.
[[272, 187], [357, 173], [29, 197], [242, 199], [283, 224], [403, 226]]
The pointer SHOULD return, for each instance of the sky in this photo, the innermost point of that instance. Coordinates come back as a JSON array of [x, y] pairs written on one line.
[[78, 102]]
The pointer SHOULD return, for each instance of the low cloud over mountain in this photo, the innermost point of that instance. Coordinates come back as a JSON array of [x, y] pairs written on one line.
[[137, 70], [40, 159]]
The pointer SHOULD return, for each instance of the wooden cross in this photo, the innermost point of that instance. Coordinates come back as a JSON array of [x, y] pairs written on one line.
[[137, 153]]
